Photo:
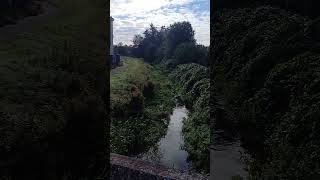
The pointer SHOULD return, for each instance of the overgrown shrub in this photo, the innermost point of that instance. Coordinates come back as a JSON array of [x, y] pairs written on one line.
[[140, 101], [265, 78], [148, 89], [306, 7], [191, 53], [63, 127]]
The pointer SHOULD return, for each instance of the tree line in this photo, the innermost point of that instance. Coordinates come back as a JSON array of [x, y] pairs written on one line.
[[175, 44]]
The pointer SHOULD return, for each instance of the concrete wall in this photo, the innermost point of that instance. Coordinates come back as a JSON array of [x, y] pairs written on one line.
[[111, 35], [125, 168]]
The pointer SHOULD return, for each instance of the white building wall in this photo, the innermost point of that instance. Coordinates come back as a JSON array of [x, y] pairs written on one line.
[[111, 35]]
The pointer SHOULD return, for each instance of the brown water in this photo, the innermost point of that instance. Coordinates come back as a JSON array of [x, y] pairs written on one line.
[[168, 151]]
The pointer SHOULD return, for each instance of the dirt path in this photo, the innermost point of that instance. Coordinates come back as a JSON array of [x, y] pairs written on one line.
[[26, 24]]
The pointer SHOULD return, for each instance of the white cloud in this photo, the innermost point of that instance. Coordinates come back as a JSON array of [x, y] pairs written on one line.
[[134, 16]]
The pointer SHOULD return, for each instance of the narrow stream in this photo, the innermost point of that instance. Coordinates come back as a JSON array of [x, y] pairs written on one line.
[[168, 151], [226, 152]]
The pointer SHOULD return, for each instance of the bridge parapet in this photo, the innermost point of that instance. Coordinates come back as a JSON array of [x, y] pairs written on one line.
[[125, 168]]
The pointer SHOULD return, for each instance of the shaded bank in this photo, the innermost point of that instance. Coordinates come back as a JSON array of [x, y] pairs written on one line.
[[265, 78], [54, 94], [305, 7]]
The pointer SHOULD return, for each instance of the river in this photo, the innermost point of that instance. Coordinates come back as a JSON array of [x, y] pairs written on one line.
[[168, 151], [225, 152], [226, 156]]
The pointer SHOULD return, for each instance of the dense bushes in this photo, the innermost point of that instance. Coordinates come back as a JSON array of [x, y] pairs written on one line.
[[140, 100], [306, 7], [265, 76], [178, 33], [64, 120], [126, 103], [148, 89], [191, 53], [292, 119], [193, 80], [158, 45]]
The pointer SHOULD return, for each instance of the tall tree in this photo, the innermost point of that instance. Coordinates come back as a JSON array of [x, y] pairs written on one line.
[[137, 50], [137, 40], [151, 43], [178, 33]]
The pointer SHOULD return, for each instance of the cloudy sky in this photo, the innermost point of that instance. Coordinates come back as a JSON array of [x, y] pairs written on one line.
[[134, 16]]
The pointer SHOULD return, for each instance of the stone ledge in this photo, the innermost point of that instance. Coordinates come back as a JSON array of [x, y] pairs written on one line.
[[124, 167]]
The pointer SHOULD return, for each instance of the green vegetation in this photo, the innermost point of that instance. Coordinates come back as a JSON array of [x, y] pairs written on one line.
[[175, 42], [305, 7], [194, 86], [190, 52], [266, 85], [174, 51], [53, 95], [140, 118], [141, 101]]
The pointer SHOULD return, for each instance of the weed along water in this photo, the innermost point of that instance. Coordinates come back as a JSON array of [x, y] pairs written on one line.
[[168, 151], [158, 130]]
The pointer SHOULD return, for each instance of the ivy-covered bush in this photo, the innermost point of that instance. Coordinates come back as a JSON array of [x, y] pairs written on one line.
[[265, 71]]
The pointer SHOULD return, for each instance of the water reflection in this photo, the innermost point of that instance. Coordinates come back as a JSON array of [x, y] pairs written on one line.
[[168, 151], [226, 156]]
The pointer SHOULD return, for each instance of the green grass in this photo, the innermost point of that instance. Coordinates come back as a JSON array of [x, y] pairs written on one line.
[[134, 133], [162, 100], [134, 71], [126, 86]]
